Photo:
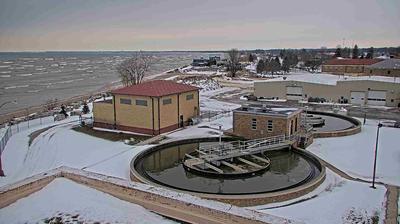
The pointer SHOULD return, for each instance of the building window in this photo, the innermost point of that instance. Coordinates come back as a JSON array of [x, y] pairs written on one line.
[[189, 97], [254, 124], [388, 72], [167, 101], [295, 125], [370, 71], [141, 103], [270, 125], [125, 101]]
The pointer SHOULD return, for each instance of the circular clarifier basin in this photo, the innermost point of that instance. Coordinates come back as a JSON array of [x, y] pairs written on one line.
[[333, 124], [163, 165]]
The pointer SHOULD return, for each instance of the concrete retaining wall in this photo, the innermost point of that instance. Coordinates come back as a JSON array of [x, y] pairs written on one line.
[[161, 201]]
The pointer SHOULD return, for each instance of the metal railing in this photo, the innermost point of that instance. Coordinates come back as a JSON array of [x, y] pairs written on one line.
[[231, 149], [4, 139]]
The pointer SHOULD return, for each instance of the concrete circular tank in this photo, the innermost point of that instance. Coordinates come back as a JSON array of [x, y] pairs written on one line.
[[292, 172]]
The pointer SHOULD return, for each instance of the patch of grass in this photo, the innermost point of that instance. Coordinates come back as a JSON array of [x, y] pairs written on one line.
[[111, 136]]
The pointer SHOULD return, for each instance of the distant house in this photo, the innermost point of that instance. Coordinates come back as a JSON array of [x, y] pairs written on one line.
[[388, 67], [151, 108], [257, 121], [212, 60], [348, 66], [200, 62]]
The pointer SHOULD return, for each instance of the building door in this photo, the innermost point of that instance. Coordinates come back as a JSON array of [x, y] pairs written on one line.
[[181, 121], [294, 93], [376, 97], [357, 97]]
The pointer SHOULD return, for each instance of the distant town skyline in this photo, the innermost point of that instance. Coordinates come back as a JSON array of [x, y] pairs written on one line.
[[91, 25]]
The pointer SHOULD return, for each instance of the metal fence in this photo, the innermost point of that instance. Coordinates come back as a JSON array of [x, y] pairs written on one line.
[[7, 135], [213, 115]]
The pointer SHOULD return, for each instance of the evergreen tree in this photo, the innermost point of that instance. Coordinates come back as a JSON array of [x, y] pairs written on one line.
[[355, 51], [338, 52], [251, 58], [370, 53], [275, 65], [286, 64], [260, 66], [346, 52]]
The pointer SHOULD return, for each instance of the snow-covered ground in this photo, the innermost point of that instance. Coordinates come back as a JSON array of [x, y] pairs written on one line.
[[354, 154], [71, 199], [336, 200], [57, 146]]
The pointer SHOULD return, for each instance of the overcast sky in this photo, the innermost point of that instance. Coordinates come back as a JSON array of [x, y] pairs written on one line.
[[37, 25]]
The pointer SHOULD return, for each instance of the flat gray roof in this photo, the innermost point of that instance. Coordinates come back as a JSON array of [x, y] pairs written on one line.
[[260, 109], [391, 63]]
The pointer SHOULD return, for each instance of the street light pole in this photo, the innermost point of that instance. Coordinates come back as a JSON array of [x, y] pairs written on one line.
[[376, 155]]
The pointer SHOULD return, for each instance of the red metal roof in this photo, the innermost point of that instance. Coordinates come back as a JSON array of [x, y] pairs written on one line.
[[155, 88], [348, 61]]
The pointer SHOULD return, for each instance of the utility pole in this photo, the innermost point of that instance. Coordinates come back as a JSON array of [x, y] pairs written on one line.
[[376, 155]]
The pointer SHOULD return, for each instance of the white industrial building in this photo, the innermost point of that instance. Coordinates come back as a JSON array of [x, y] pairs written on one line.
[[365, 90]]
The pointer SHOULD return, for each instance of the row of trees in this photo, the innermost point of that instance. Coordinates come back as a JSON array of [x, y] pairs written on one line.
[[353, 53]]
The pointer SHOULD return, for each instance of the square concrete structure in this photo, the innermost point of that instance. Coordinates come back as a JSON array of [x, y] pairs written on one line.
[[258, 121], [151, 108]]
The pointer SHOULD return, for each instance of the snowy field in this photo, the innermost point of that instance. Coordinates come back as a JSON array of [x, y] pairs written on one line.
[[65, 199], [355, 154], [336, 200]]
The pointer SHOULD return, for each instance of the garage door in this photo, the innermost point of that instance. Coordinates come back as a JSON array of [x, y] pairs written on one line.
[[377, 98], [357, 97], [294, 93]]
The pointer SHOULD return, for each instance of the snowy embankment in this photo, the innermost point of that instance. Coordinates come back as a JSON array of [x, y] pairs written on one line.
[[71, 201], [336, 200], [355, 154]]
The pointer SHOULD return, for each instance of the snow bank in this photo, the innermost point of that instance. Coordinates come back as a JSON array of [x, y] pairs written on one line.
[[69, 198]]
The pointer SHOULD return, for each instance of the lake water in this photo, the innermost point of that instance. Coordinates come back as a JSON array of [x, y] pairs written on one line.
[[33, 78]]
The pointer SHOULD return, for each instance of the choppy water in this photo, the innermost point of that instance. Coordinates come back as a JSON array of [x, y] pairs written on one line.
[[33, 78]]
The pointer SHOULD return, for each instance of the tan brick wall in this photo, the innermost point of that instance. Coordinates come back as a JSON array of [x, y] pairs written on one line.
[[133, 115], [169, 112], [242, 125], [343, 69], [103, 112], [188, 107], [382, 72], [155, 115]]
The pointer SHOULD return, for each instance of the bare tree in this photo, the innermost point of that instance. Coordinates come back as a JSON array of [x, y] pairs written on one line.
[[233, 62], [132, 70]]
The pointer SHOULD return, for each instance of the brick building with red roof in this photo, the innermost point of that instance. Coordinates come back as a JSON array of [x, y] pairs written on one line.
[[151, 108], [348, 66]]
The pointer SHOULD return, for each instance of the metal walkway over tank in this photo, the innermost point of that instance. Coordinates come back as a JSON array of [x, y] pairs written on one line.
[[227, 150]]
